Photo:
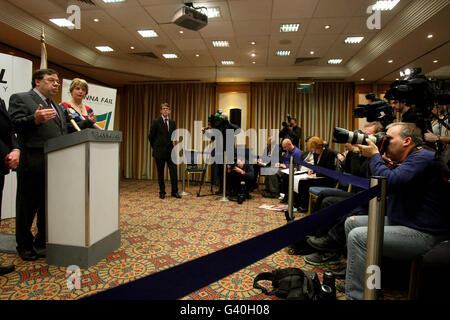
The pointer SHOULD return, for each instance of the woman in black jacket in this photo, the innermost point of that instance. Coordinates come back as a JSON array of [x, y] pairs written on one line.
[[322, 157]]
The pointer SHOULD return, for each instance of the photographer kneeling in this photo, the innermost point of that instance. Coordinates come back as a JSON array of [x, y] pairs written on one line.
[[416, 211], [238, 173]]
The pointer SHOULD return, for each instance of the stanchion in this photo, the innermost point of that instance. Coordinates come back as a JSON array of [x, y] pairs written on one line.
[[375, 232], [291, 188], [183, 192], [224, 186]]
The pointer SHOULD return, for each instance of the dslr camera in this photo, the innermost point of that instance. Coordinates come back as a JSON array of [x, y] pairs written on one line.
[[341, 135], [288, 123]]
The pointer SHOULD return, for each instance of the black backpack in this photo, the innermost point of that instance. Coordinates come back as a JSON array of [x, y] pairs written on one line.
[[291, 284]]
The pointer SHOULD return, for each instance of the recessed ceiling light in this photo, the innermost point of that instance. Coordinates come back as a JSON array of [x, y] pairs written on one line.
[[253, 54], [384, 5], [334, 61], [429, 36], [63, 22], [396, 79], [96, 20], [113, 1], [327, 27], [282, 53], [253, 62], [253, 42], [181, 31], [227, 62], [311, 52], [289, 27], [220, 44], [104, 49], [435, 61], [132, 48], [170, 55], [390, 61], [211, 12], [148, 33], [362, 79], [353, 39], [197, 55]]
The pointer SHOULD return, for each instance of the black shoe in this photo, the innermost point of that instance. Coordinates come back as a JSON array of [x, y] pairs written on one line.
[[301, 209], [320, 258], [28, 255], [176, 195], [6, 269], [325, 243], [162, 195]]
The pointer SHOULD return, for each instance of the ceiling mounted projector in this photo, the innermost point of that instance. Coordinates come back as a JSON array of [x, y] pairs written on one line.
[[190, 18]]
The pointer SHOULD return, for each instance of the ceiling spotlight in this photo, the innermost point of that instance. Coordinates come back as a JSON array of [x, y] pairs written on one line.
[[362, 79], [311, 52], [197, 55], [390, 61], [327, 27], [254, 62], [96, 20], [253, 42], [429, 36], [253, 54], [132, 48], [181, 31], [435, 61]]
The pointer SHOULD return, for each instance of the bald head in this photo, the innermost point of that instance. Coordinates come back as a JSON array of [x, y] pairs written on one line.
[[287, 145]]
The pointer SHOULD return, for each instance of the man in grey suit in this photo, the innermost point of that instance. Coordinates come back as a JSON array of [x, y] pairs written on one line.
[[35, 118], [9, 158]]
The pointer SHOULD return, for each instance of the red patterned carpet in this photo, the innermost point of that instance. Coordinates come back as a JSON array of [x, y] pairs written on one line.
[[157, 235]]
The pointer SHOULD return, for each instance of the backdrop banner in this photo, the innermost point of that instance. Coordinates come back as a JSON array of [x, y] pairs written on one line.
[[15, 76]]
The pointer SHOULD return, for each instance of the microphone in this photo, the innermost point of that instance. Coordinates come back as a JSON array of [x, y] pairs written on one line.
[[71, 118]]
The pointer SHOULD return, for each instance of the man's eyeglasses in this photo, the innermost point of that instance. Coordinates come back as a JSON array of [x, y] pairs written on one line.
[[52, 80]]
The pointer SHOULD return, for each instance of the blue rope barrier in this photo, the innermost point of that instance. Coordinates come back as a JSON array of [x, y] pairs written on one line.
[[190, 276]]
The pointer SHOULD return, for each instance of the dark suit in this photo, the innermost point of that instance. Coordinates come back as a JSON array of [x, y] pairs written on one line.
[[31, 189], [8, 142], [162, 145]]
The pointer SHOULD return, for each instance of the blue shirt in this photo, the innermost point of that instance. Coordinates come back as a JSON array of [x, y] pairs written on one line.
[[417, 195], [296, 152]]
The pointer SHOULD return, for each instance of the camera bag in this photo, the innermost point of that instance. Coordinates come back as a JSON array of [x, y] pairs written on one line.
[[290, 284]]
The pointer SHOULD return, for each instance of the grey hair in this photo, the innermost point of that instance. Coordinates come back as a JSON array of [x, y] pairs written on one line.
[[408, 129]]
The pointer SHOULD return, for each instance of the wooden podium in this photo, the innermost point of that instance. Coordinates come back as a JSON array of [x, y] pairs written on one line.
[[82, 171]]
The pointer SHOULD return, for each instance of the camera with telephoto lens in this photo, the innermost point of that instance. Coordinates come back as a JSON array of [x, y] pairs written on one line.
[[288, 123], [342, 135]]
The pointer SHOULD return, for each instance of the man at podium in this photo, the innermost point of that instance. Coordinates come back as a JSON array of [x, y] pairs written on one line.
[[35, 118]]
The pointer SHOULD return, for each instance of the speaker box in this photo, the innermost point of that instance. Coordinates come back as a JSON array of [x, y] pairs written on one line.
[[235, 116]]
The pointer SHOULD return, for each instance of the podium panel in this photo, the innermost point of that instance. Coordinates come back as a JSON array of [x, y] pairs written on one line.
[[82, 171]]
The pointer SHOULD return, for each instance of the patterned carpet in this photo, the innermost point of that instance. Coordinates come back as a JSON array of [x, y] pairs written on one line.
[[157, 235]]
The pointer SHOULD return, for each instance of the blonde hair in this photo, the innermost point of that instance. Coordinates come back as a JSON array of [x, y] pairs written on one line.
[[314, 143], [78, 82]]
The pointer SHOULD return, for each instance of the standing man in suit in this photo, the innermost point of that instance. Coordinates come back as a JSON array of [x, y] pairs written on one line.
[[9, 155], [35, 118], [160, 140]]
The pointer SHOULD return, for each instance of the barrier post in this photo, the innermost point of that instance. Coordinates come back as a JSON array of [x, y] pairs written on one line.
[[224, 193], [291, 188], [183, 192], [375, 232]]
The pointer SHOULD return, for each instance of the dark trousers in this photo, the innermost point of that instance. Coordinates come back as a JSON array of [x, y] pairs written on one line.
[[30, 200], [2, 182], [302, 197], [160, 165], [234, 183]]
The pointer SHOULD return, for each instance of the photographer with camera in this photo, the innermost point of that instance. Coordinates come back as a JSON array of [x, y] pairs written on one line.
[[236, 174], [291, 130], [220, 122], [416, 210]]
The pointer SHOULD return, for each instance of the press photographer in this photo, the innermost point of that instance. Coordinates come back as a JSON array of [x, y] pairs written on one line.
[[240, 176], [291, 130]]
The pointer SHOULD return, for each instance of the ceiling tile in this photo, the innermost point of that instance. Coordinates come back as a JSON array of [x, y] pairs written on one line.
[[291, 9], [250, 9]]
